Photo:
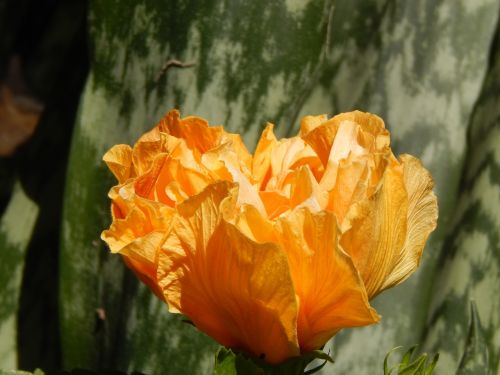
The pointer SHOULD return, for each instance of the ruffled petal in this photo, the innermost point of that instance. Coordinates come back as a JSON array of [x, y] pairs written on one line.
[[194, 130], [347, 132], [168, 180], [306, 192], [146, 149], [309, 123], [138, 237], [237, 145], [261, 164], [330, 291], [119, 161], [421, 218], [275, 203], [236, 290], [375, 231], [253, 224]]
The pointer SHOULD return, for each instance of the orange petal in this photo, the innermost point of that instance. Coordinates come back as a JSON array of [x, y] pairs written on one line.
[[146, 149], [350, 184], [371, 135], [119, 161], [139, 236], [146, 273], [215, 162], [309, 123], [143, 218], [262, 158], [306, 192], [330, 291], [234, 289], [194, 130], [155, 184], [254, 225], [247, 194], [275, 203], [321, 139], [244, 157], [376, 232], [288, 154], [421, 218]]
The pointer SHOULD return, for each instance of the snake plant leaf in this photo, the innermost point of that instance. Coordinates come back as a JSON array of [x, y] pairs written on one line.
[[407, 72], [470, 266], [13, 372], [16, 226], [475, 357], [234, 63], [240, 72]]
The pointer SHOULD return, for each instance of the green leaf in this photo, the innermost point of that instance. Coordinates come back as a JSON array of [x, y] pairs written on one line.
[[249, 69], [14, 372], [127, 93], [406, 72], [470, 267], [475, 357], [16, 226], [388, 371], [429, 370], [410, 366], [229, 363], [407, 357]]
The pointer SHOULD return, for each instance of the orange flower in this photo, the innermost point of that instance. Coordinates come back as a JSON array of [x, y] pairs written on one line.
[[271, 253]]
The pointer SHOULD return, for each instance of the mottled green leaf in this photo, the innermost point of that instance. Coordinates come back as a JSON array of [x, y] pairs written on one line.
[[421, 69], [125, 95], [470, 266], [418, 64], [16, 226], [475, 357], [13, 372]]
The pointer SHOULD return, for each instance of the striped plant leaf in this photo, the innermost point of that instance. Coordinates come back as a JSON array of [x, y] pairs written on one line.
[[470, 266], [16, 227], [476, 353], [242, 64], [130, 87], [13, 372], [407, 72]]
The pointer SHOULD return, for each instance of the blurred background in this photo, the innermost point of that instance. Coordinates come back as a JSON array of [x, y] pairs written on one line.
[[77, 77]]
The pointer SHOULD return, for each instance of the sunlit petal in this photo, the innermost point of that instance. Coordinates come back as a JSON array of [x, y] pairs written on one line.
[[377, 230], [236, 290], [421, 218], [119, 161], [330, 291]]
